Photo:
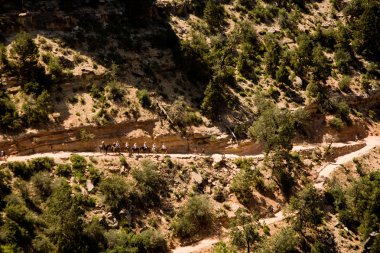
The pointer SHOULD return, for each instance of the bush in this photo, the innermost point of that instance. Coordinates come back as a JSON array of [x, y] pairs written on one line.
[[183, 115], [307, 208], [9, 118], [144, 98], [63, 170], [43, 184], [213, 100], [53, 65], [242, 185], [78, 163], [313, 88], [151, 240], [214, 14], [361, 205], [5, 186], [116, 93], [343, 59], [20, 169], [284, 241], [41, 164], [25, 53], [336, 123], [115, 191], [194, 217], [149, 184], [344, 84], [37, 110]]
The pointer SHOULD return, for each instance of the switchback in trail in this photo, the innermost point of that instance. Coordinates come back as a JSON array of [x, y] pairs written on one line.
[[370, 142]]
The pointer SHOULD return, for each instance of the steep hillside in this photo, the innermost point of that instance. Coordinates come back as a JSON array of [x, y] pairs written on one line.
[[267, 112]]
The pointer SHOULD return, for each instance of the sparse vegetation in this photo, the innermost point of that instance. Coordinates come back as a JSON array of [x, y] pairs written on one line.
[[199, 75]]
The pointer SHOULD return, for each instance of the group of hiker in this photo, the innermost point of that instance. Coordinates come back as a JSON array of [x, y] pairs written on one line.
[[116, 147]]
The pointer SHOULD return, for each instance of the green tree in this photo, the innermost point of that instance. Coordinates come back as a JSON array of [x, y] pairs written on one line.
[[306, 208], [321, 65], [36, 111], [272, 54], [365, 22], [115, 191], [274, 128], [149, 183], [282, 74], [9, 117], [65, 220], [214, 14], [213, 99], [194, 217], [301, 57], [25, 53], [244, 230], [284, 241]]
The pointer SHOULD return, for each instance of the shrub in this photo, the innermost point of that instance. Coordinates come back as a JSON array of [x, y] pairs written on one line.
[[43, 184], [242, 185], [78, 163], [313, 88], [9, 118], [361, 205], [37, 110], [53, 64], [182, 115], [343, 59], [213, 100], [25, 53], [63, 170], [284, 241], [95, 174], [20, 169], [5, 186], [344, 84], [144, 98], [194, 217], [116, 92], [151, 240], [307, 208], [282, 74], [115, 191], [149, 184], [336, 123], [41, 164], [213, 14], [274, 127], [86, 135], [244, 230]]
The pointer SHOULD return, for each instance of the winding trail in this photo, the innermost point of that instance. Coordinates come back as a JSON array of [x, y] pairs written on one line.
[[371, 142], [324, 173], [205, 244]]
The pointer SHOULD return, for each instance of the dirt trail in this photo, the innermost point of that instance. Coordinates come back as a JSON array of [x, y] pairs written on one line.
[[207, 243], [324, 173], [371, 142], [201, 245]]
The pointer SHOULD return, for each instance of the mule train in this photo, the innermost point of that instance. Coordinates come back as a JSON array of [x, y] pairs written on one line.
[[116, 147]]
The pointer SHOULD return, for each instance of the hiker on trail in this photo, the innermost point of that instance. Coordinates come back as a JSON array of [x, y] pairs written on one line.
[[163, 148], [154, 147]]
